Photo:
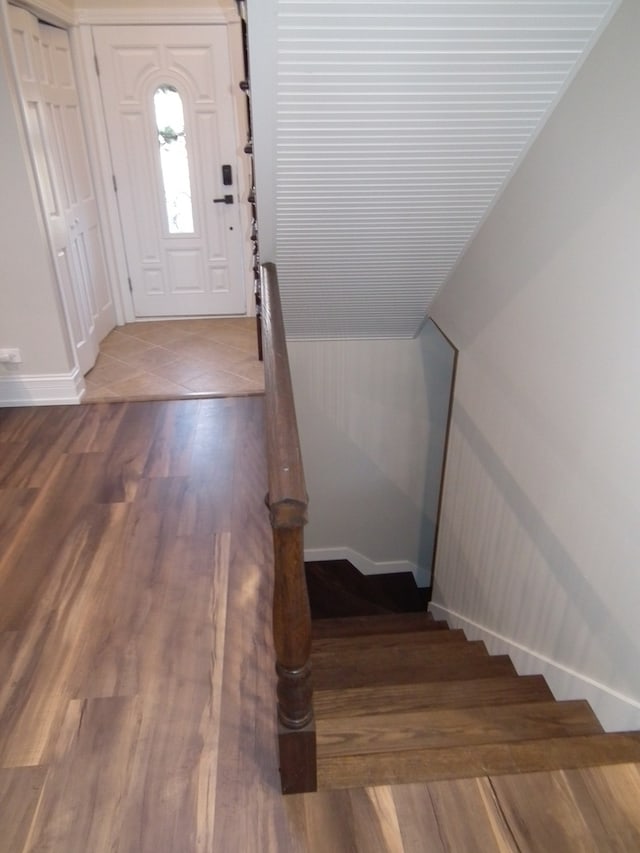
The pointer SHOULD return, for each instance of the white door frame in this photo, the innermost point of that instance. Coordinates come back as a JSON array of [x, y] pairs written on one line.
[[92, 103]]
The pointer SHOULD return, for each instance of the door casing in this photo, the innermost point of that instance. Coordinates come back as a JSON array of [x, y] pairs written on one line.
[[199, 272], [94, 115]]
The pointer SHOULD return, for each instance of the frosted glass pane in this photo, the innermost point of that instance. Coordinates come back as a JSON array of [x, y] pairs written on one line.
[[174, 160]]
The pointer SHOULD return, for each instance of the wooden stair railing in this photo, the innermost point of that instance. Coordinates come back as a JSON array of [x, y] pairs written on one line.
[[287, 502], [399, 697]]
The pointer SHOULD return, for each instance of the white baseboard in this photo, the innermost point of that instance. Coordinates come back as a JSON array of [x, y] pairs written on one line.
[[55, 389], [367, 566], [616, 712]]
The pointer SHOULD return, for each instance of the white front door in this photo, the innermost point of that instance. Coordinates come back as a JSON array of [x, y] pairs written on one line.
[[169, 112], [57, 141]]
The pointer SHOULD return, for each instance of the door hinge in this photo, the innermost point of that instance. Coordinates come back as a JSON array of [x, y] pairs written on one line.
[[115, 184], [95, 62], [130, 285]]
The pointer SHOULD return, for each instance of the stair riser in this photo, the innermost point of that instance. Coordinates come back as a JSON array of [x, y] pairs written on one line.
[[413, 666], [410, 673], [357, 626], [371, 657], [485, 760], [337, 588], [415, 697], [435, 729], [399, 642]]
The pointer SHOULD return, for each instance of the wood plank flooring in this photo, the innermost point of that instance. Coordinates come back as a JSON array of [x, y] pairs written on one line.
[[136, 663]]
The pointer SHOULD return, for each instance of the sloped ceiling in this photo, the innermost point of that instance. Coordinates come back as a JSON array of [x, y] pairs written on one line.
[[395, 125]]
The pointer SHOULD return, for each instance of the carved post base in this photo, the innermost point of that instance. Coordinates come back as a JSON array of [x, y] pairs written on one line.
[[295, 709], [297, 759]]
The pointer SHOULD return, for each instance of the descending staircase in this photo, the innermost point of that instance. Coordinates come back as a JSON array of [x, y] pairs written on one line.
[[337, 588], [400, 697]]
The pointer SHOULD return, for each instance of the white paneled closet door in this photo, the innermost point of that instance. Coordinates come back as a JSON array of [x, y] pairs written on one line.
[[56, 137]]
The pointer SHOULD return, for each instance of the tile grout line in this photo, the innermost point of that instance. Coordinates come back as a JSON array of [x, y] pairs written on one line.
[[147, 383]]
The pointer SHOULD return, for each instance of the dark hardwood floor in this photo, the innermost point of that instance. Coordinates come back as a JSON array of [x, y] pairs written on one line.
[[136, 662]]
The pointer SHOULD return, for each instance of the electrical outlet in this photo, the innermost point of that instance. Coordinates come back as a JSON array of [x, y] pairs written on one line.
[[10, 356]]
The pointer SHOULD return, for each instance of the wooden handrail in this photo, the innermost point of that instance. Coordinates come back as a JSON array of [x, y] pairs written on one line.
[[287, 491], [287, 501]]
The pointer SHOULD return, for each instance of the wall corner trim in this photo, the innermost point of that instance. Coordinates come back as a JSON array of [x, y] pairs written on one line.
[[615, 711], [366, 565], [50, 389]]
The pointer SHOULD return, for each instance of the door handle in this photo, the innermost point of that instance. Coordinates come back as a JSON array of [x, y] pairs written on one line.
[[226, 199]]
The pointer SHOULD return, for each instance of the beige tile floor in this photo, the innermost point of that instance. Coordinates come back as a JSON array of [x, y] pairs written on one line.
[[177, 359]]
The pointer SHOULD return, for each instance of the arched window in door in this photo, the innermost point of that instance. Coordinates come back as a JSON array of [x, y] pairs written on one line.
[[174, 159]]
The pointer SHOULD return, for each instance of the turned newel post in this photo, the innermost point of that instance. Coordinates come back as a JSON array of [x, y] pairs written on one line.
[[287, 502], [291, 618]]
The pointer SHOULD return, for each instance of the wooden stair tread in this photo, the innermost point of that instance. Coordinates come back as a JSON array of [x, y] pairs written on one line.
[[451, 694], [349, 626], [401, 698], [443, 663], [432, 728], [376, 642], [492, 759]]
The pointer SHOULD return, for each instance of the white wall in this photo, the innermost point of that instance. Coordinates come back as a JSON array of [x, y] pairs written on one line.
[[31, 317], [372, 419], [540, 543]]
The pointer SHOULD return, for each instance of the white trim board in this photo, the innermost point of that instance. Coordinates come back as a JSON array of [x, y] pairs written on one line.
[[615, 711], [55, 389], [367, 566], [158, 15], [50, 11]]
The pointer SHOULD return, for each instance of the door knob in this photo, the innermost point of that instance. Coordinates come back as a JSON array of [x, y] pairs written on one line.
[[226, 199]]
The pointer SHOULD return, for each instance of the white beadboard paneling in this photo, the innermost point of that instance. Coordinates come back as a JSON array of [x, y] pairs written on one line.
[[372, 417], [396, 125], [614, 710]]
